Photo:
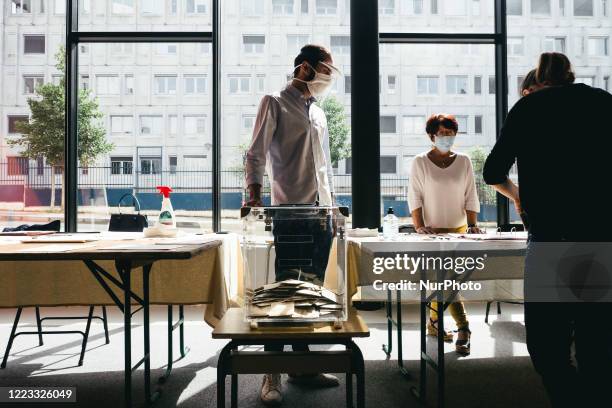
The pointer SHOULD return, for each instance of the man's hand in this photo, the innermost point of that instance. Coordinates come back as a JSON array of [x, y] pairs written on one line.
[[474, 230], [254, 196], [425, 230]]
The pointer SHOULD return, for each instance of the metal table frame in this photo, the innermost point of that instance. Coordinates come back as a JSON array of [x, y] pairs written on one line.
[[125, 262], [233, 362]]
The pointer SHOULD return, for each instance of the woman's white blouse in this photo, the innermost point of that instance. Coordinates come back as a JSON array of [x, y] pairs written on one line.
[[444, 194]]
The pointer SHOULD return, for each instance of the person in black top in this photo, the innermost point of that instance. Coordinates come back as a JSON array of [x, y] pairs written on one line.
[[561, 139]]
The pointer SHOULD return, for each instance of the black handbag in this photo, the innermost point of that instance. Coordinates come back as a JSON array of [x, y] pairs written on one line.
[[128, 222]]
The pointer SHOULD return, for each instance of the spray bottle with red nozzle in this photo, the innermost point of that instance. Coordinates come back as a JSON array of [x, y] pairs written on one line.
[[166, 215]]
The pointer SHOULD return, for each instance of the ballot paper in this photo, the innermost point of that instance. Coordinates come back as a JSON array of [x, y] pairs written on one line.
[[293, 299]]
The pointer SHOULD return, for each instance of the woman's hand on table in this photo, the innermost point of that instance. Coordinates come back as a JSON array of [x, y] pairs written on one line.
[[474, 230], [425, 230]]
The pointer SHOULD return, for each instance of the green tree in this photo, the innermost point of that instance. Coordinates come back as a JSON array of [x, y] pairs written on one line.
[[486, 194], [338, 129], [43, 135]]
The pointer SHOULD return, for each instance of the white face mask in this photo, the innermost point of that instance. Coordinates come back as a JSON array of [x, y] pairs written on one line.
[[444, 143], [321, 83]]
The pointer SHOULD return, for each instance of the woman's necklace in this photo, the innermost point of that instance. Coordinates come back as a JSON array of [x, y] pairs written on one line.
[[442, 160]]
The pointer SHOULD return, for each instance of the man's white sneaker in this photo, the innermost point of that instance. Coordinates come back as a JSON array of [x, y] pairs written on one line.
[[271, 390]]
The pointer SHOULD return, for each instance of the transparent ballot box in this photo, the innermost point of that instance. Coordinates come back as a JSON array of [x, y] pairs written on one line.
[[294, 264]]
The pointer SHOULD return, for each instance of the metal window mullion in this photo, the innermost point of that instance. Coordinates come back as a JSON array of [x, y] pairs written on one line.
[[501, 94], [70, 172], [216, 113]]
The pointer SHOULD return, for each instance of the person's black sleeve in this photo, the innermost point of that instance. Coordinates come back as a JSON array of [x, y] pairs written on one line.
[[503, 154]]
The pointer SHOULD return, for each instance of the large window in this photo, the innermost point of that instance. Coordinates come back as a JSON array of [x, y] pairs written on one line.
[[33, 44]]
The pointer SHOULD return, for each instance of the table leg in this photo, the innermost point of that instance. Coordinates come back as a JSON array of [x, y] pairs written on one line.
[[39, 325], [388, 348], [440, 367], [349, 390], [86, 335], [125, 271], [358, 367], [234, 397], [221, 370], [146, 274], [11, 337]]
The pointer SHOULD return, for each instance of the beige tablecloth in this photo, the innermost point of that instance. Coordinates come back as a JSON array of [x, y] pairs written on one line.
[[208, 278]]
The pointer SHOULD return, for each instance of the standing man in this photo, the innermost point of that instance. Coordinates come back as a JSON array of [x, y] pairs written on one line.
[[560, 137], [291, 143]]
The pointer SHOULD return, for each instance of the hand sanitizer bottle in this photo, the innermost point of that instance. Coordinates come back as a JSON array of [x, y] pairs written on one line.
[[166, 216], [390, 226]]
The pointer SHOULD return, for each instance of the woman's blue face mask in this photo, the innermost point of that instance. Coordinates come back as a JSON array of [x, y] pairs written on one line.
[[444, 143]]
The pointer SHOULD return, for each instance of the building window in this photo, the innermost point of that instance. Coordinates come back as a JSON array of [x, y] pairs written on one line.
[[455, 7], [172, 161], [478, 124], [165, 84], [123, 7], [152, 7], [388, 164], [414, 125], [434, 7], [21, 6], [172, 125], [327, 7], [252, 8], [195, 84], [386, 7], [304, 6], [604, 8], [478, 85], [84, 82], [197, 6], [427, 85], [239, 84], [121, 49], [340, 44], [554, 44], [514, 7], [260, 82], [60, 7], [253, 44], [31, 82], [122, 164], [583, 8], [587, 80], [540, 7], [122, 125], [476, 7], [151, 125], [33, 44], [173, 7], [282, 7], [56, 79], [295, 42], [13, 120], [598, 46], [107, 84], [492, 85], [150, 165], [414, 7], [457, 84], [195, 125], [195, 161], [516, 46], [388, 124], [463, 124], [248, 121], [128, 88], [606, 83], [17, 166], [165, 49], [391, 84], [347, 84]]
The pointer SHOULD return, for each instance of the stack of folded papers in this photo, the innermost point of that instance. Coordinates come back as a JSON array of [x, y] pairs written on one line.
[[293, 299]]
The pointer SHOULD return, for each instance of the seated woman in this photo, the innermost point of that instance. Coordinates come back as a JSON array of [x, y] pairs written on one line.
[[442, 197]]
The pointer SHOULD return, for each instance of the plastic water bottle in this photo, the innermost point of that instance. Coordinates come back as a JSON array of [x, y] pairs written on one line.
[[390, 226]]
